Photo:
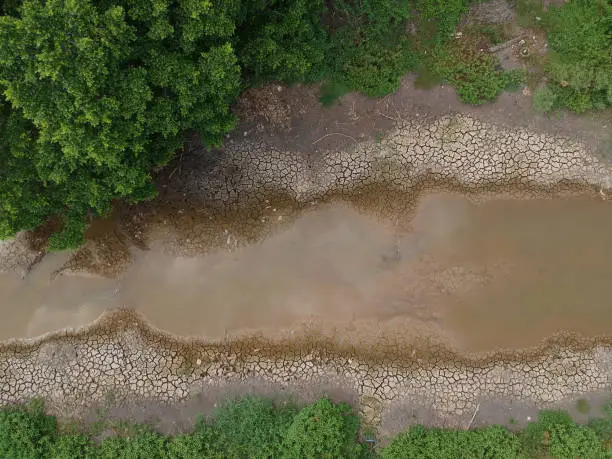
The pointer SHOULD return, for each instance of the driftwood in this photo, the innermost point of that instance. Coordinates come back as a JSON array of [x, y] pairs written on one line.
[[504, 45]]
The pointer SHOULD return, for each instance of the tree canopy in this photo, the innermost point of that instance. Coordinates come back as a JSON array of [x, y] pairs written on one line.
[[99, 95]]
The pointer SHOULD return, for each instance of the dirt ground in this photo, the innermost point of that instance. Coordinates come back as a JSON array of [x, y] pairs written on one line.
[[308, 127]]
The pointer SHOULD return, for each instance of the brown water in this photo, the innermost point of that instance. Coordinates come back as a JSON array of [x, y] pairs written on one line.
[[501, 274]]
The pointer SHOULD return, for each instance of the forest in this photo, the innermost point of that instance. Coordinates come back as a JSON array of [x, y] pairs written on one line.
[[96, 94]]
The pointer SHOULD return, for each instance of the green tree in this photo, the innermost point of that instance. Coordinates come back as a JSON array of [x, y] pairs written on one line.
[[108, 95], [281, 40]]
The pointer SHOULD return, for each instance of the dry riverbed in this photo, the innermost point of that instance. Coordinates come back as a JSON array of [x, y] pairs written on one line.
[[395, 253]]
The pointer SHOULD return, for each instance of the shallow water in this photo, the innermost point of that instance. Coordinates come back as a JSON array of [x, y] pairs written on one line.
[[505, 273]]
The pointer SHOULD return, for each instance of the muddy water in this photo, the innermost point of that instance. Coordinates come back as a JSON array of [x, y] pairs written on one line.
[[505, 273]]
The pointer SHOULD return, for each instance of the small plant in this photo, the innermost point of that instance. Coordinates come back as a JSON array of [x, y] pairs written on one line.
[[332, 91], [579, 66], [544, 99], [582, 405], [474, 73]]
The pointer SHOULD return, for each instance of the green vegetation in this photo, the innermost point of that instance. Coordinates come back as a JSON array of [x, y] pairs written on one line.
[[475, 74], [245, 428], [101, 94], [579, 67], [554, 434], [94, 94], [257, 428]]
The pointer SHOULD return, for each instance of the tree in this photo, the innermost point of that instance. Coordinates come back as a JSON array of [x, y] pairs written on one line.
[[282, 40], [107, 96]]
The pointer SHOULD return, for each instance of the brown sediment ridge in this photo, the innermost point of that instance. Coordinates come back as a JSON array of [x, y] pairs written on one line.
[[122, 354]]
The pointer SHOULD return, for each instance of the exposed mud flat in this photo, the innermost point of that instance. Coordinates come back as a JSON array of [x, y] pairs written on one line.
[[121, 357]]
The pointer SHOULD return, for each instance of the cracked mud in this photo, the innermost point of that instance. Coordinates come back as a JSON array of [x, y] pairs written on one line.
[[386, 258]]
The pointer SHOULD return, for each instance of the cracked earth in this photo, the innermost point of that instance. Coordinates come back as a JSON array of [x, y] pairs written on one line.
[[269, 186]]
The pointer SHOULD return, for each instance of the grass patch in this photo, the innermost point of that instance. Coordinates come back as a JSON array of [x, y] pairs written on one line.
[[528, 12], [332, 91], [579, 66]]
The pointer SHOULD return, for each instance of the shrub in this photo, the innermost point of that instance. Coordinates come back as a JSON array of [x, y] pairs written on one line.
[[254, 427], [580, 62], [369, 51], [544, 99], [475, 74], [492, 442], [438, 19], [323, 430], [556, 435], [281, 40], [25, 433]]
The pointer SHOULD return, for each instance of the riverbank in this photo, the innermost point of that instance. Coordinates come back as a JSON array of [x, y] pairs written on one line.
[[121, 358], [227, 204]]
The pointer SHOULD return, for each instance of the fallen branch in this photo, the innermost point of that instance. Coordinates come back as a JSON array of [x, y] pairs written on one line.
[[335, 133], [473, 417], [504, 45]]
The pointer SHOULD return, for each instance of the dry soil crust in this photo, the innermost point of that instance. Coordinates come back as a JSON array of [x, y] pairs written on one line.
[[123, 356]]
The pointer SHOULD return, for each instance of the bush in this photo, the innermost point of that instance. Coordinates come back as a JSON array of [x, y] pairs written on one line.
[[254, 427], [492, 442], [438, 19], [281, 40], [544, 99], [257, 428], [475, 74], [368, 50], [580, 61], [323, 430], [556, 435], [25, 433]]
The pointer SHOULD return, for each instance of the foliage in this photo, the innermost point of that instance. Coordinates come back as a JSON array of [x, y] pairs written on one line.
[[254, 427], [330, 91], [323, 430], [25, 432], [556, 435], [437, 443], [95, 94], [368, 50], [544, 99], [106, 92], [580, 64], [474, 73], [257, 428], [282, 40], [438, 19]]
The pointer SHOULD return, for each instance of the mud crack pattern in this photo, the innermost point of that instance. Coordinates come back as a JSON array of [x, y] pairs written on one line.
[[121, 354]]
